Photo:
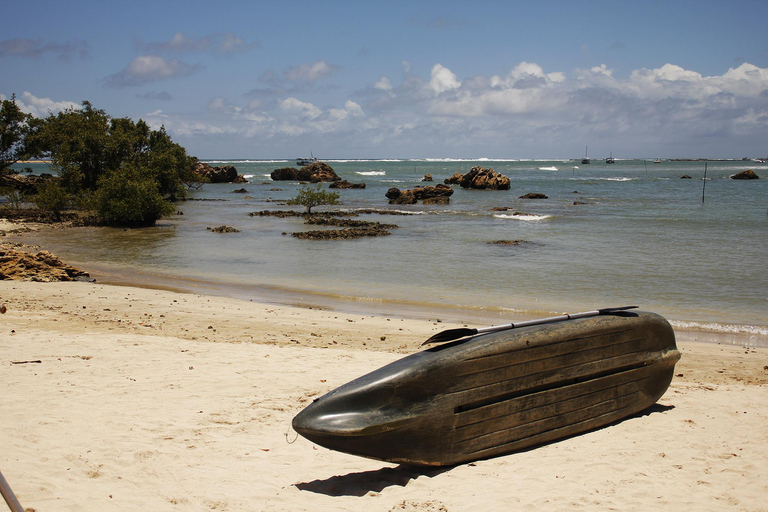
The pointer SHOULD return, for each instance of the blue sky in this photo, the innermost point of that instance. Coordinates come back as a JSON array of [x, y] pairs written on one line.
[[410, 79]]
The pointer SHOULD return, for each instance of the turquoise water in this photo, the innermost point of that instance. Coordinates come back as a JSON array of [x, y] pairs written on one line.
[[642, 237]]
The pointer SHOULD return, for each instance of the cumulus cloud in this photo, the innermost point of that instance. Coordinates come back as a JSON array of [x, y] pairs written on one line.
[[310, 72], [525, 105], [300, 109], [150, 68], [41, 107], [443, 79], [35, 49]]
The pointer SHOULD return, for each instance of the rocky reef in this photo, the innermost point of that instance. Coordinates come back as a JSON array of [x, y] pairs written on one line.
[[220, 174], [314, 173], [42, 266], [481, 179], [438, 194]]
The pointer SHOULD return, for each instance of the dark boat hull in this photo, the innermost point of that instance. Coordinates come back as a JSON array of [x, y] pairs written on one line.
[[498, 393]]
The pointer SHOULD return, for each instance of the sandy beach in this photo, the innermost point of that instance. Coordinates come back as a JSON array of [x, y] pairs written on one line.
[[121, 398]]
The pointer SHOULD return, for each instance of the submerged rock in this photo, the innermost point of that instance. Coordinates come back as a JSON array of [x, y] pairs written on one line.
[[346, 184], [223, 229], [534, 195]]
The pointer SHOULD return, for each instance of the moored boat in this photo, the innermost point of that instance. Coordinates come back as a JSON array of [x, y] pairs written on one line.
[[586, 159], [301, 162], [500, 392]]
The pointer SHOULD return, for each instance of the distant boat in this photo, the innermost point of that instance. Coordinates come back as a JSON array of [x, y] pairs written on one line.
[[610, 159], [586, 159], [306, 161], [657, 160]]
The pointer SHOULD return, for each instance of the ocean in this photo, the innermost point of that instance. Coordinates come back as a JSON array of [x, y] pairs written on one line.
[[629, 233]]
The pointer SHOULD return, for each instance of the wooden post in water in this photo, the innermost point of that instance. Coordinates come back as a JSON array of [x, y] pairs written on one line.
[[705, 182]]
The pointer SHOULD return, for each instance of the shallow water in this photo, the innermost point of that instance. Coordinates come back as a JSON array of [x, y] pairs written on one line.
[[642, 236]]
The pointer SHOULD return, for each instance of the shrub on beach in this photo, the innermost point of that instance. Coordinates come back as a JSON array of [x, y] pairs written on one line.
[[51, 197], [129, 197], [92, 152]]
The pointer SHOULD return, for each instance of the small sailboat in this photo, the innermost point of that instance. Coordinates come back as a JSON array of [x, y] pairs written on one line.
[[610, 159], [306, 161], [586, 159], [657, 160]]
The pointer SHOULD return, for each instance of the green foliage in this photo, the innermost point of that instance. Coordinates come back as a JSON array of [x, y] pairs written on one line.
[[310, 197], [90, 150], [14, 126], [51, 197], [13, 199], [129, 197]]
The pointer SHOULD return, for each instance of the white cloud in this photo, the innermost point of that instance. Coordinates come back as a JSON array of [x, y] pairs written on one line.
[[310, 72], [443, 79], [384, 84], [41, 107], [150, 68], [299, 108]]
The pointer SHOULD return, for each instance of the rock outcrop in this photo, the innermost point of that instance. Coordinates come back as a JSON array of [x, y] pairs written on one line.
[[220, 174], [429, 195], [480, 178], [314, 173], [534, 195], [749, 174], [43, 267], [346, 184]]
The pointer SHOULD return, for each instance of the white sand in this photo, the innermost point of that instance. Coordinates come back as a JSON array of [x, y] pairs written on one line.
[[153, 400]]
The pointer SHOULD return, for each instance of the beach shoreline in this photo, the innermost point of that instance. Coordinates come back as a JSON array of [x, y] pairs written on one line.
[[28, 238], [125, 398]]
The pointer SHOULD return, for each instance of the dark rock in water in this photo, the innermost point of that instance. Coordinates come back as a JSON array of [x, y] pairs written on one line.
[[346, 184], [749, 174], [501, 209], [481, 179], [412, 196], [221, 174], [341, 234], [397, 196], [427, 177], [240, 191], [42, 267], [317, 172], [507, 242], [314, 173], [534, 195], [223, 229], [437, 200], [285, 174], [348, 223], [454, 180], [685, 177]]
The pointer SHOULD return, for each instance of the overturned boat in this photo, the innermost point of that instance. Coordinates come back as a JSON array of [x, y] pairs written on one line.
[[491, 394]]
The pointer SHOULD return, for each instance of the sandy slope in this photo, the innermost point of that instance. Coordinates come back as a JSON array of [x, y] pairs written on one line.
[[153, 400]]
